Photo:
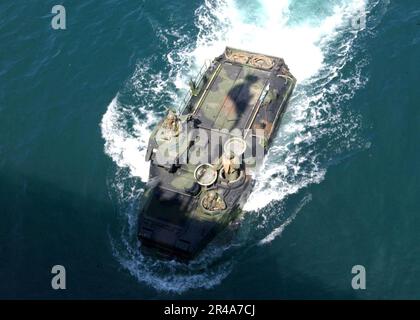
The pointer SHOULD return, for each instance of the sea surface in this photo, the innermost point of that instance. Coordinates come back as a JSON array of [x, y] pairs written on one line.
[[339, 187]]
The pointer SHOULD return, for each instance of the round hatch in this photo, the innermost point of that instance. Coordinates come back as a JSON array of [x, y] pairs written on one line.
[[205, 174], [236, 145]]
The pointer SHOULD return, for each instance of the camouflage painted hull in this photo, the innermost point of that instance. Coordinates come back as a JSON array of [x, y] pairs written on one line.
[[204, 158]]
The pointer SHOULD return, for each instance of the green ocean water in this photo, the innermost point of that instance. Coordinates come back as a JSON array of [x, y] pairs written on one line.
[[340, 186]]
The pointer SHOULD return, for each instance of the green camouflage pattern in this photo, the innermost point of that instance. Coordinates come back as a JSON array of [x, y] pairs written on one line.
[[241, 94]]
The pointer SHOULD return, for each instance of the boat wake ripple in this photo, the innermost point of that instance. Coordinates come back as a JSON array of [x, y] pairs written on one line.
[[320, 45]]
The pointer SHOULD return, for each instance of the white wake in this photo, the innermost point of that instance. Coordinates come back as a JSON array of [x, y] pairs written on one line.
[[316, 40]]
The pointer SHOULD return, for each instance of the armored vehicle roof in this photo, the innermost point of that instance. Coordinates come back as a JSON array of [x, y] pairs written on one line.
[[196, 188]]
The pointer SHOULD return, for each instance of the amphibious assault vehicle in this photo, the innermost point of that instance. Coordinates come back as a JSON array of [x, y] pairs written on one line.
[[203, 156]]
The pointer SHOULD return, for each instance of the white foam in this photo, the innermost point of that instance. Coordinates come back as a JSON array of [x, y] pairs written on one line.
[[227, 23], [169, 276], [294, 161], [279, 230], [127, 149], [221, 24]]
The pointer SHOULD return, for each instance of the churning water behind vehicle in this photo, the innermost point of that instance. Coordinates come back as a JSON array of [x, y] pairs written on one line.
[[316, 41]]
